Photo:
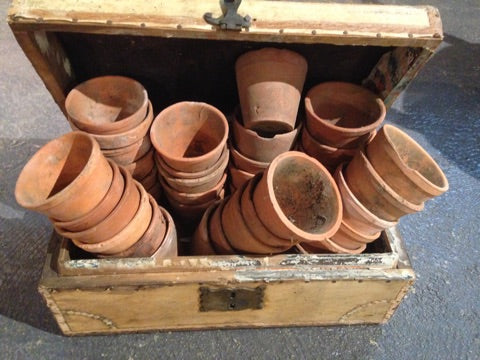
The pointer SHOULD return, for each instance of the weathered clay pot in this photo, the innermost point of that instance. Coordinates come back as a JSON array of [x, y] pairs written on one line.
[[101, 211], [297, 199], [372, 191], [339, 113], [142, 167], [270, 83], [218, 239], [241, 162], [405, 166], [348, 238], [332, 247], [168, 248], [156, 191], [150, 180], [238, 177], [191, 212], [354, 213], [252, 220], [131, 153], [129, 235], [116, 220], [258, 147], [66, 178], [107, 104], [189, 136], [201, 238]]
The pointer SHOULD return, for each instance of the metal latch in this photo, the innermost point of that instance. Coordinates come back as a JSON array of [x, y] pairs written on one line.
[[231, 299], [230, 20]]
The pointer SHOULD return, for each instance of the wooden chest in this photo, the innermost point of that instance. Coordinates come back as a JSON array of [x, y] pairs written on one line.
[[170, 48]]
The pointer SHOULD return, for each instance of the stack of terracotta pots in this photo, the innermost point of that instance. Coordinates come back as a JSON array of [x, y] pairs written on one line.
[[190, 139], [270, 83], [116, 111], [295, 200], [340, 118], [93, 201]]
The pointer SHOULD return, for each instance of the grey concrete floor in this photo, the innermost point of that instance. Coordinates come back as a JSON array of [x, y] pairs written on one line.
[[439, 319]]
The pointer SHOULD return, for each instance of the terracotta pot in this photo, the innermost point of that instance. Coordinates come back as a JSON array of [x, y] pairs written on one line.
[[329, 156], [270, 83], [243, 163], [101, 211], [156, 191], [339, 113], [218, 239], [238, 177], [167, 171], [354, 213], [190, 136], [372, 191], [142, 167], [201, 238], [150, 180], [116, 220], [131, 153], [405, 166], [348, 238], [332, 247], [169, 246], [214, 193], [189, 211], [66, 178], [195, 186], [107, 104], [252, 220], [297, 199], [126, 138], [129, 235], [261, 148]]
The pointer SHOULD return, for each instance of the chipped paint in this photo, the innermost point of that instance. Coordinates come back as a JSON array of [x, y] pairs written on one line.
[[387, 260], [110, 263]]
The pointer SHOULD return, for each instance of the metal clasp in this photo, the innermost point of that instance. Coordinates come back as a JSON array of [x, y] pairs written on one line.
[[230, 20]]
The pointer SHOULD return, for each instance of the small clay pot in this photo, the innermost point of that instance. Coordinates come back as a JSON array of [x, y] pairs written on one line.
[[405, 166], [354, 213], [201, 238], [169, 247], [338, 113], [348, 238], [297, 199], [189, 136], [241, 162], [373, 193], [131, 153], [129, 235], [101, 211], [195, 186], [142, 167], [270, 83], [332, 247], [238, 177], [116, 220], [107, 104], [218, 239], [156, 191], [66, 179], [258, 147], [150, 180], [190, 212], [252, 220]]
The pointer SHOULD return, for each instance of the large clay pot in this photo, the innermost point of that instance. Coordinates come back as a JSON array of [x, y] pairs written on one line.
[[238, 177], [270, 83], [217, 235], [116, 220], [242, 162], [101, 211], [261, 147], [297, 199], [131, 153], [354, 213], [107, 104], [142, 167], [201, 238], [405, 166], [339, 113], [372, 191], [66, 178], [169, 246], [189, 136]]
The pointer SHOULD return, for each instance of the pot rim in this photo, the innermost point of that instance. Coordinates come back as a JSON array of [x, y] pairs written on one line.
[[271, 54]]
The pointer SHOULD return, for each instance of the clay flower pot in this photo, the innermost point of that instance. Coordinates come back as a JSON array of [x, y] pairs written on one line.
[[332, 247], [241, 162], [101, 211], [142, 167], [116, 220], [373, 193], [66, 178], [347, 237], [218, 239], [189, 136], [405, 166], [150, 180], [339, 113], [253, 222], [168, 248], [354, 213], [107, 104], [156, 191], [258, 147], [238, 177], [131, 153], [270, 83], [201, 238], [192, 212], [297, 199], [129, 235]]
